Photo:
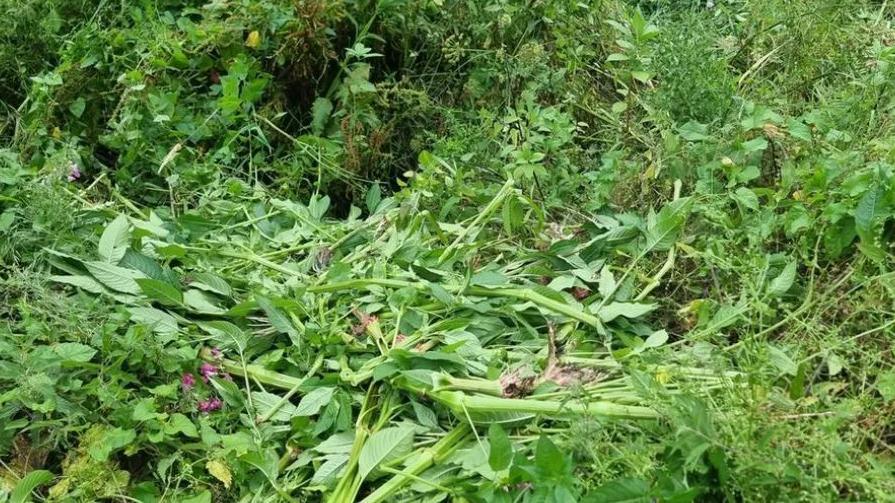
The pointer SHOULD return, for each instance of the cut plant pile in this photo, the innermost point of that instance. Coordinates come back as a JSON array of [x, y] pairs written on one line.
[[414, 329]]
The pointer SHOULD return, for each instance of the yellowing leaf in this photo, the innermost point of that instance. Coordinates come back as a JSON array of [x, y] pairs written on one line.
[[253, 40], [219, 470]]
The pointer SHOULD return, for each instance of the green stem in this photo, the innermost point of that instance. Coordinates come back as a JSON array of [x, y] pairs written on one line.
[[485, 213]]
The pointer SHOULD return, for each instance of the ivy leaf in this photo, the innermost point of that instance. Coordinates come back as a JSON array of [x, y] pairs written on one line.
[[384, 446], [114, 240], [160, 291]]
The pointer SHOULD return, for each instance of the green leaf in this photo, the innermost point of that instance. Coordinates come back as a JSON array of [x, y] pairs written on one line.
[[111, 441], [798, 129], [74, 351], [548, 458], [782, 361], [320, 113], [612, 311], [662, 230], [278, 320], [31, 481], [114, 241], [870, 211], [885, 384], [201, 302], [373, 197], [384, 446], [77, 107], [161, 322], [160, 291], [747, 198], [783, 282], [264, 402], [85, 283], [501, 453], [116, 278], [627, 490], [201, 497], [329, 469], [607, 282], [315, 400], [211, 283], [179, 423]]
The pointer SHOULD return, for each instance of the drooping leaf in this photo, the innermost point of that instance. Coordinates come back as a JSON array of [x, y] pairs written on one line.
[[264, 402], [161, 322], [114, 241], [613, 310], [501, 453], [31, 481], [211, 283], [320, 112], [384, 446], [783, 282], [329, 469], [315, 400], [115, 278], [160, 291], [179, 423], [278, 319], [85, 283], [662, 231]]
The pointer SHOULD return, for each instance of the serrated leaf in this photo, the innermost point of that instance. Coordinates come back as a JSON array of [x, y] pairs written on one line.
[[747, 198], [114, 240], [501, 452], [74, 352], [160, 291], [384, 446], [626, 490], [612, 311], [114, 277], [885, 384], [338, 443], [201, 302], [85, 283], [225, 333], [607, 283], [330, 469], [161, 322], [320, 112], [278, 319], [211, 283], [783, 282], [315, 400], [31, 481], [870, 210], [219, 470], [264, 402], [662, 231]]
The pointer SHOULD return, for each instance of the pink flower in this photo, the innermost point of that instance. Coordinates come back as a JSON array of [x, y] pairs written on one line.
[[74, 172], [208, 371], [216, 353], [210, 405], [187, 381]]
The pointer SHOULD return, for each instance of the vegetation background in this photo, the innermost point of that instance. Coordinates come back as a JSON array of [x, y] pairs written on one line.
[[767, 123]]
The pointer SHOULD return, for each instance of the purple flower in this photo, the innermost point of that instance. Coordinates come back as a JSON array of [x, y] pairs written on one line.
[[74, 172], [210, 405], [216, 353], [208, 371], [187, 381]]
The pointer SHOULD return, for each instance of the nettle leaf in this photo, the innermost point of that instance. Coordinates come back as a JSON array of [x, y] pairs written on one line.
[[315, 400], [161, 322], [211, 283], [783, 282], [747, 198], [225, 333], [114, 277], [28, 484], [74, 351], [338, 443], [384, 446], [160, 291], [885, 384], [278, 319], [662, 230], [114, 241], [612, 311], [501, 453]]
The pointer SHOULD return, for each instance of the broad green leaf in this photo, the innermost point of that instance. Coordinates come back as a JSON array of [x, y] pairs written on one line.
[[114, 240], [501, 453], [211, 283], [111, 441], [338, 443], [885, 384], [201, 302], [74, 351], [782, 361], [315, 400], [783, 282], [320, 112], [278, 319], [373, 197], [264, 402], [384, 446], [267, 461], [607, 283], [834, 364], [870, 209], [116, 278], [161, 322], [225, 333], [548, 458], [160, 291], [747, 198], [31, 481], [329, 469], [612, 311], [85, 283], [627, 490], [201, 497], [179, 423], [656, 339], [662, 230]]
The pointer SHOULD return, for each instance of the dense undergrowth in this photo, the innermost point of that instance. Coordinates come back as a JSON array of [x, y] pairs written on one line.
[[447, 250]]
